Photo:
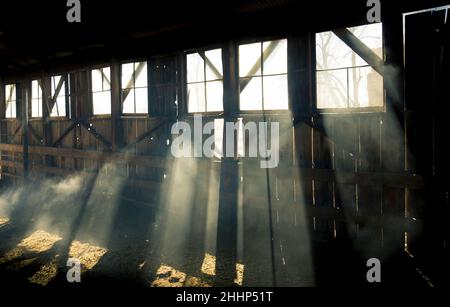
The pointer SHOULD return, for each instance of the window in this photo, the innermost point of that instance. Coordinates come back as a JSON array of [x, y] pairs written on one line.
[[36, 99], [205, 81], [263, 76], [344, 79], [101, 91], [59, 94], [134, 88], [10, 100]]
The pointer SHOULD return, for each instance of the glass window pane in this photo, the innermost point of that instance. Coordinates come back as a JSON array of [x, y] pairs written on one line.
[[55, 84], [141, 100], [196, 97], [101, 103], [365, 88], [36, 108], [128, 104], [59, 109], [13, 107], [127, 74], [214, 96], [332, 89], [371, 35], [106, 78], [35, 90], [251, 96], [97, 82], [249, 57], [141, 74], [195, 68], [276, 93], [10, 101], [333, 53], [214, 58], [276, 62]]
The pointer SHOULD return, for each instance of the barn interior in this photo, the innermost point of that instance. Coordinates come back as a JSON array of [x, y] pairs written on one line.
[[88, 172]]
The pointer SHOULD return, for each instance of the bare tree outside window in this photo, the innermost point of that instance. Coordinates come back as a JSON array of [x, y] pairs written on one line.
[[344, 79]]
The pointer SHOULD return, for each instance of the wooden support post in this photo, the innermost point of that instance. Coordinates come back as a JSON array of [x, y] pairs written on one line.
[[226, 249], [25, 105], [116, 107]]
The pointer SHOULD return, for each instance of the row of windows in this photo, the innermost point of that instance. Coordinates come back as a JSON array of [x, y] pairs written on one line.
[[344, 79]]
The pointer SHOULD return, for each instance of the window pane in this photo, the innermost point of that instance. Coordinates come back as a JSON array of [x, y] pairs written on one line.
[[371, 35], [214, 58], [195, 68], [36, 108], [13, 107], [141, 74], [214, 96], [127, 74], [275, 93], [332, 89], [251, 96], [141, 100], [59, 109], [276, 62], [249, 57], [97, 82], [55, 84], [36, 91], [196, 97], [10, 101], [106, 78], [333, 53], [365, 88], [101, 103], [128, 104]]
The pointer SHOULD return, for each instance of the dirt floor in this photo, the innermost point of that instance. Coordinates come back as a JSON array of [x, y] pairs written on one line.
[[120, 243]]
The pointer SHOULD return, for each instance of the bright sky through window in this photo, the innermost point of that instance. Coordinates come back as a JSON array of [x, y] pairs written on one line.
[[205, 81], [101, 91], [134, 88], [36, 99], [344, 79], [10, 100], [263, 76]]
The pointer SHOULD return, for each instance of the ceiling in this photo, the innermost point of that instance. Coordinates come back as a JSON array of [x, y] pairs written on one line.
[[36, 34]]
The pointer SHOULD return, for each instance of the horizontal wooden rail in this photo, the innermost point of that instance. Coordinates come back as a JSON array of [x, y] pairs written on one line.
[[251, 168]]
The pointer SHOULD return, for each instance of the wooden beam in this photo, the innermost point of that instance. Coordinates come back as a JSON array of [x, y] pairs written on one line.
[[89, 128], [25, 101], [211, 66], [131, 82], [160, 123], [361, 49], [116, 107], [65, 133], [258, 64], [54, 97]]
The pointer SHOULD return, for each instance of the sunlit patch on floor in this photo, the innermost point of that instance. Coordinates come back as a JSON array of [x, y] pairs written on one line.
[[239, 274], [167, 276], [209, 268], [38, 242], [46, 273], [209, 265], [11, 255], [87, 254], [195, 282]]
